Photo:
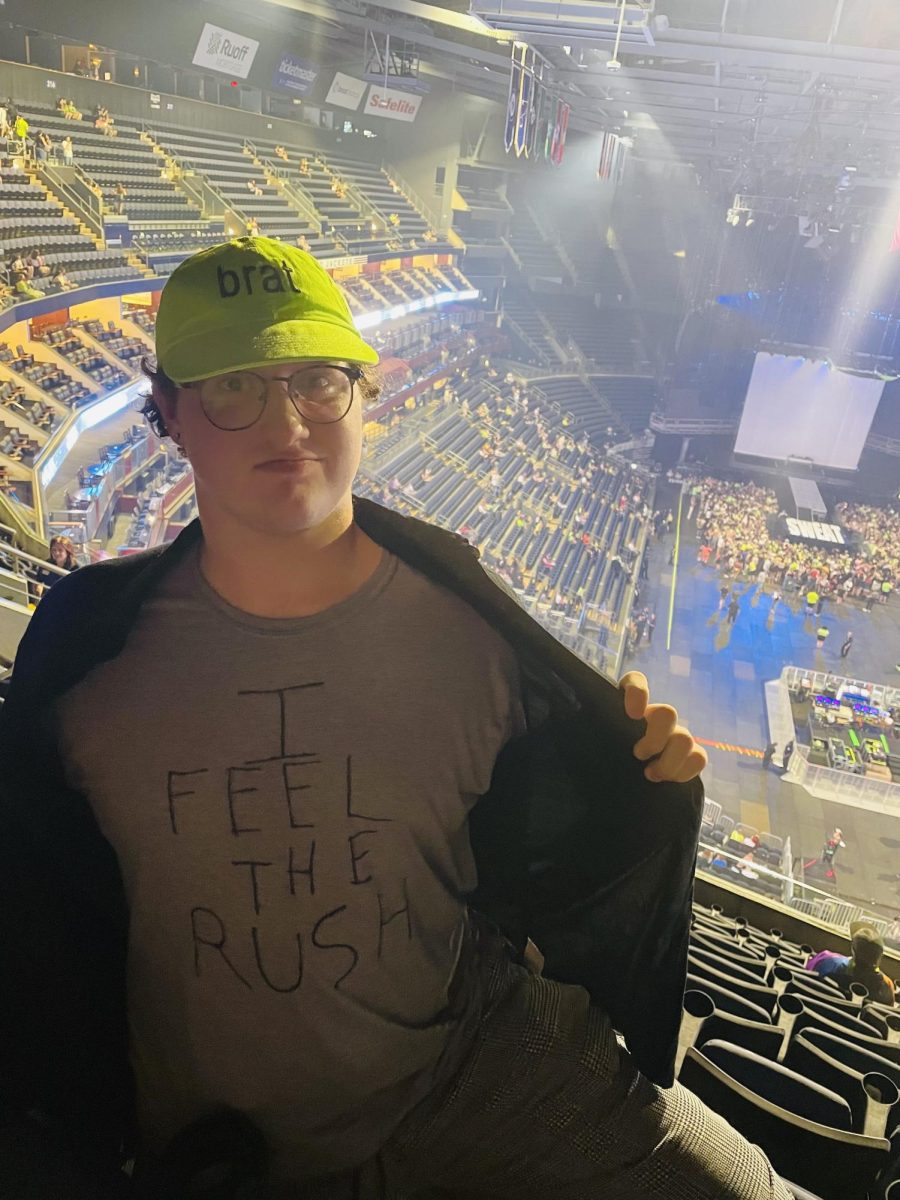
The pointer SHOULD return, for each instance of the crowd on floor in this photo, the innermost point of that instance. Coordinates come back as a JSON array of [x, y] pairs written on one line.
[[734, 530]]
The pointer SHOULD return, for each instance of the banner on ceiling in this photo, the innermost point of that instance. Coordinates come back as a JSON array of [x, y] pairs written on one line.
[[222, 50], [345, 91], [536, 122], [512, 104], [558, 136], [295, 75], [612, 157], [388, 102]]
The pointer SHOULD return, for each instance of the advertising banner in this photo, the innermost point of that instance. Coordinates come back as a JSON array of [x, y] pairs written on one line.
[[526, 88], [345, 91], [388, 102], [221, 50], [821, 532], [295, 75], [560, 128], [512, 104]]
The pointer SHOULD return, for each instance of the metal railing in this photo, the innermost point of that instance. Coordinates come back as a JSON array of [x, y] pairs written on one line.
[[358, 198], [435, 218], [75, 189], [792, 892], [17, 567], [844, 787], [662, 423], [506, 319], [880, 441], [299, 198], [211, 202], [513, 253], [551, 238]]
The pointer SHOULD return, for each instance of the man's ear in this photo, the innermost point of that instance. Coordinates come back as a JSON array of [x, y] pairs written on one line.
[[168, 408]]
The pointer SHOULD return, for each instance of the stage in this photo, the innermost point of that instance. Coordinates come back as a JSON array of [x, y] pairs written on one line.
[[847, 743]]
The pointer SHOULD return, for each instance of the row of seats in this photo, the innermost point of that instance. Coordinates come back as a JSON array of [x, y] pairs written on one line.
[[445, 480], [114, 340], [127, 159], [84, 358], [58, 384], [810, 1074]]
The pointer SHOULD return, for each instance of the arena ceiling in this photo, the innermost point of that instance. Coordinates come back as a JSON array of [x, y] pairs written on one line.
[[714, 83]]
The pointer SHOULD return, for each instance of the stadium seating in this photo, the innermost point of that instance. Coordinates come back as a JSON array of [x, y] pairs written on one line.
[[538, 256], [114, 341], [89, 361], [520, 312], [228, 166], [827, 1158], [809, 1080], [127, 159], [384, 195], [30, 218], [524, 514], [58, 384]]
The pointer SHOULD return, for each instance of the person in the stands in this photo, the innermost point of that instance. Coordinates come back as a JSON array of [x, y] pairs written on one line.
[[296, 809]]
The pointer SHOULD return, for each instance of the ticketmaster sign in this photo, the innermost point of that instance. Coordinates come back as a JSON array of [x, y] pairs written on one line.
[[295, 75], [222, 50]]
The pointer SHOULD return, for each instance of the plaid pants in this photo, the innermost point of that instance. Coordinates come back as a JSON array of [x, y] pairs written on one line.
[[548, 1106]]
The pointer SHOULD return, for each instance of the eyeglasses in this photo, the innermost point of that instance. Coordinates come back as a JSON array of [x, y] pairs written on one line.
[[237, 400]]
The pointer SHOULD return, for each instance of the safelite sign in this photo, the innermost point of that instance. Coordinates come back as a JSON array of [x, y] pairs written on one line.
[[387, 102]]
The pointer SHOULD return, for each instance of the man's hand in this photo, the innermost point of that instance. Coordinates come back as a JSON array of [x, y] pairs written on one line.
[[676, 756]]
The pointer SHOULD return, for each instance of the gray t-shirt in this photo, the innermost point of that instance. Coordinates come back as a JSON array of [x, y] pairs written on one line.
[[289, 801]]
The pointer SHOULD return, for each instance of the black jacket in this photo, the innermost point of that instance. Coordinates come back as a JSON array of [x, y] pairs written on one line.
[[573, 847]]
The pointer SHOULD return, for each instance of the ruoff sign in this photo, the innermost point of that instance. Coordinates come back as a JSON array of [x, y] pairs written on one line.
[[815, 531], [345, 91], [221, 50], [386, 102]]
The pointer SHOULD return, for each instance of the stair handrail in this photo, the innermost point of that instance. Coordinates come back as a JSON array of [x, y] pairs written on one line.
[[191, 180], [88, 207], [26, 533], [615, 418], [296, 193], [644, 340], [435, 218], [357, 198], [520, 332], [514, 254], [550, 335], [551, 238]]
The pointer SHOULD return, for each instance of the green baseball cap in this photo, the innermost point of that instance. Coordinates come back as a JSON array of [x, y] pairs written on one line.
[[250, 302]]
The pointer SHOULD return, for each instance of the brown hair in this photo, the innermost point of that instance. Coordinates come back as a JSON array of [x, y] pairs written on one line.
[[866, 952], [369, 388], [69, 546]]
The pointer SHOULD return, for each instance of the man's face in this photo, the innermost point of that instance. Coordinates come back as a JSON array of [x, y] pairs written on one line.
[[252, 476]]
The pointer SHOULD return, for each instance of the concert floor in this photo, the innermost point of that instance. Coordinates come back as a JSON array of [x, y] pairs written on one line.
[[714, 673]]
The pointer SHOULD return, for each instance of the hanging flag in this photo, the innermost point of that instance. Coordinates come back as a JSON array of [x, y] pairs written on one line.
[[612, 157], [526, 87], [512, 104], [550, 108], [554, 132], [562, 125], [537, 90]]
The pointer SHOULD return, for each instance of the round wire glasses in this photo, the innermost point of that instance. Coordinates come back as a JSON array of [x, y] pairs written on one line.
[[321, 394]]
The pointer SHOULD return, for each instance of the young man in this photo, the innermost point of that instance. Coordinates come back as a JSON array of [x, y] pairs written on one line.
[[287, 802]]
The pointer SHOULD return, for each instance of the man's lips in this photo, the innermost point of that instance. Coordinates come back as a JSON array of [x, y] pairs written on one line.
[[292, 459]]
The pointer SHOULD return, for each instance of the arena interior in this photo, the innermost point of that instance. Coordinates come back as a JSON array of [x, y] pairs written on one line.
[[633, 273]]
